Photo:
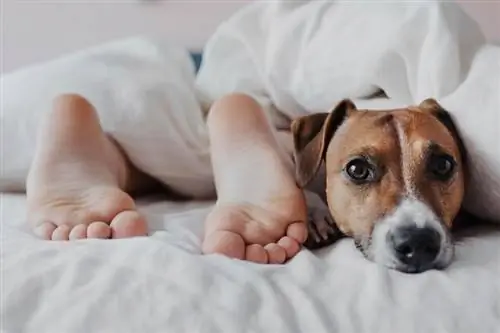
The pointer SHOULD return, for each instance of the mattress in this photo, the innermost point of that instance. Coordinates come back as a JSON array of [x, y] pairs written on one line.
[[162, 283]]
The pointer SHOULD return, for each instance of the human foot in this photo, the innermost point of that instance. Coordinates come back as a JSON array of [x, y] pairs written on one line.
[[76, 183], [260, 213], [256, 232]]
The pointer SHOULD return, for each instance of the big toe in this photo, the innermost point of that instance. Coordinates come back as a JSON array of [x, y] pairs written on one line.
[[128, 224], [224, 242]]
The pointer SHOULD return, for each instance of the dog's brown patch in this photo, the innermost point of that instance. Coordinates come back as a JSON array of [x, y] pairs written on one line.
[[398, 143]]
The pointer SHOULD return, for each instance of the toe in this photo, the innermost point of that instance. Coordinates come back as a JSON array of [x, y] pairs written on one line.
[[61, 233], [297, 231], [78, 232], [276, 254], [45, 230], [256, 253], [290, 245], [98, 230], [128, 224], [224, 242]]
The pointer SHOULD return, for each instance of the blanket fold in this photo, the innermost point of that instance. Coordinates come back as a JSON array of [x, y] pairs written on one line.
[[305, 56]]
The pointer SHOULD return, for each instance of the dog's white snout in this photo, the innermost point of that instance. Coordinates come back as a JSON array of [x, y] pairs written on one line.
[[412, 238]]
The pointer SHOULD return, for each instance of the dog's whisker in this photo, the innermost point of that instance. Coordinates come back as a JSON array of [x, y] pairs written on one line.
[[409, 219]]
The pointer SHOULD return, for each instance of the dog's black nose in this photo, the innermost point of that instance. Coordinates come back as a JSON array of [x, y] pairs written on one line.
[[416, 248]]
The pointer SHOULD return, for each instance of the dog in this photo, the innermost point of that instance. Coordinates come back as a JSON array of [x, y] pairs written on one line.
[[395, 181]]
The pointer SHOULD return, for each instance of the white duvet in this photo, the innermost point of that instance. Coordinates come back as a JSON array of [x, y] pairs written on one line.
[[297, 56], [163, 284]]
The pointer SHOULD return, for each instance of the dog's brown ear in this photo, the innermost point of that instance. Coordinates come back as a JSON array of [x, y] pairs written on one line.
[[311, 135], [432, 106]]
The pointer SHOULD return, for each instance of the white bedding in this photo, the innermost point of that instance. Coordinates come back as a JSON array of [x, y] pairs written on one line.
[[307, 55], [162, 284]]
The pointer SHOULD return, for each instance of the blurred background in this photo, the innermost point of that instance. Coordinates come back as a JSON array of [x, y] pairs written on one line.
[[37, 30]]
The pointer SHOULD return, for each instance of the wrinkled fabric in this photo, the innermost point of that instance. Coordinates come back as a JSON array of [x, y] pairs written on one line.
[[305, 56], [162, 283]]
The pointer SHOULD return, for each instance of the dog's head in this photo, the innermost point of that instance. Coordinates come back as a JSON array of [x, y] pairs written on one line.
[[394, 179]]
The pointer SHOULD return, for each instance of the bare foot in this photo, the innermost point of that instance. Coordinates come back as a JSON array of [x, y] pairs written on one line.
[[76, 183], [260, 213]]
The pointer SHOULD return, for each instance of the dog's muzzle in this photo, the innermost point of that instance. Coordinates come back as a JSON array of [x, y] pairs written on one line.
[[412, 239]]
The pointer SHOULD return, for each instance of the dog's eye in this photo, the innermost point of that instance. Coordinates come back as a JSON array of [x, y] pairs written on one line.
[[442, 166], [359, 170]]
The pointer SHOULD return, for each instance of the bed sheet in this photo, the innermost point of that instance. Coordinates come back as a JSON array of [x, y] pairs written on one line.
[[161, 283]]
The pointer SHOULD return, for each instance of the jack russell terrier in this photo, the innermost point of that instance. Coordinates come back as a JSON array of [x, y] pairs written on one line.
[[394, 181]]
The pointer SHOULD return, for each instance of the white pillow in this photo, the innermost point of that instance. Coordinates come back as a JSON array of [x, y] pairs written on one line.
[[145, 97]]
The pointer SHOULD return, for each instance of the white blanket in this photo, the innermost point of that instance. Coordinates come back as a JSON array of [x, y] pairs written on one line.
[[304, 56], [163, 284], [299, 57], [144, 92]]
